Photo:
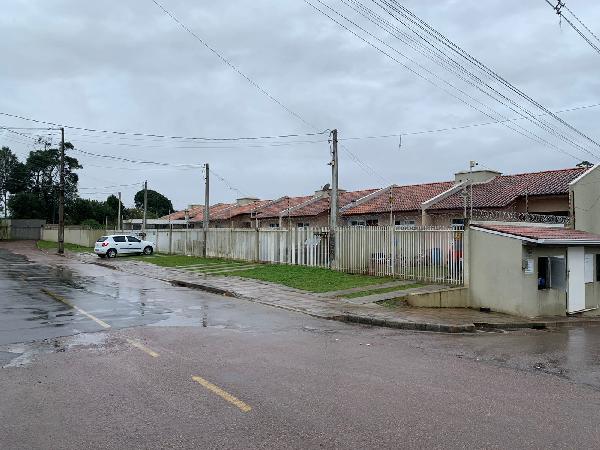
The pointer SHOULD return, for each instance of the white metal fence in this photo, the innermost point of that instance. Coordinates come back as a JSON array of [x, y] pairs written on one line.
[[424, 253]]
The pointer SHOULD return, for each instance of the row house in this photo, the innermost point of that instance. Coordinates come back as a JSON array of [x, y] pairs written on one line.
[[439, 203]]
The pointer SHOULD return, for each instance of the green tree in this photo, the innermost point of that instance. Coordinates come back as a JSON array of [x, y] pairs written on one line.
[[41, 185], [81, 210], [158, 204], [112, 205], [8, 164]]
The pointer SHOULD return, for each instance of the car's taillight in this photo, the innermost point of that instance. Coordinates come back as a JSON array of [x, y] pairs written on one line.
[[105, 244]]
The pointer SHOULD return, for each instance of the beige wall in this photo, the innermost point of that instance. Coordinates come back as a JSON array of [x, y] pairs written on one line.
[[74, 235], [497, 279], [585, 195], [543, 205]]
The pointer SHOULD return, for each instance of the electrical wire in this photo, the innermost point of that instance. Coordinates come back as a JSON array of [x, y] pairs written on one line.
[[558, 9], [530, 136], [436, 35], [451, 65], [364, 166], [125, 133]]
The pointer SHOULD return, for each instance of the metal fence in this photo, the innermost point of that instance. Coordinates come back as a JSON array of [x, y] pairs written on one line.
[[425, 253], [429, 254]]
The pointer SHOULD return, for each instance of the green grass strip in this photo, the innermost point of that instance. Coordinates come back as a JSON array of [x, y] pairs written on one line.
[[312, 279], [49, 245]]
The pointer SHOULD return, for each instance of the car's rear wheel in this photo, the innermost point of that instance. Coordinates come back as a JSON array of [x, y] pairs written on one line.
[[148, 250], [111, 253]]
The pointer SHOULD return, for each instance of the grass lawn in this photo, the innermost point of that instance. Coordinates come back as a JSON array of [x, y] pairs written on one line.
[[49, 245], [381, 291], [313, 279], [181, 260]]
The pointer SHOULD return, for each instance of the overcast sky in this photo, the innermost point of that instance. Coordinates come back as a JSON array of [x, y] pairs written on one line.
[[118, 65]]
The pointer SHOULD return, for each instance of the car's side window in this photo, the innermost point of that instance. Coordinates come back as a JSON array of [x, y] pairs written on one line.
[[119, 238], [133, 239]]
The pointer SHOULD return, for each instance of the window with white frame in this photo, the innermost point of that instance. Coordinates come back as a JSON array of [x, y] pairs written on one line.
[[273, 225], [303, 224], [372, 222]]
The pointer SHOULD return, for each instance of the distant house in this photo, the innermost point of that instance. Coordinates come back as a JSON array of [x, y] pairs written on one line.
[[438, 203]]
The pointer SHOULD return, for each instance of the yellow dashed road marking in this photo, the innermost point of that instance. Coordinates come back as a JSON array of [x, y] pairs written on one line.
[[223, 394], [77, 308], [143, 348]]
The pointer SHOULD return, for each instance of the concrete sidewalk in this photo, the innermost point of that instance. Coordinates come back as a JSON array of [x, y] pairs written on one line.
[[449, 320]]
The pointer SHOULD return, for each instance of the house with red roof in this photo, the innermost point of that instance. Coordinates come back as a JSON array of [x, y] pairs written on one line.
[[445, 203], [438, 203]]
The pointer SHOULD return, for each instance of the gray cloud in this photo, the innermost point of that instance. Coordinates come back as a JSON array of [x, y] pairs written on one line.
[[127, 66]]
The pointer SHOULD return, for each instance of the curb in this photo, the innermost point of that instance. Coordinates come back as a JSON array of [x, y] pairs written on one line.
[[401, 325]]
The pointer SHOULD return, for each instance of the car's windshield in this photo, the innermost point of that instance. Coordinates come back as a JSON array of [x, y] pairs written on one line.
[[102, 239]]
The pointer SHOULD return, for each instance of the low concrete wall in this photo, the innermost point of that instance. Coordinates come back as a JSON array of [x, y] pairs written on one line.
[[449, 298], [73, 235]]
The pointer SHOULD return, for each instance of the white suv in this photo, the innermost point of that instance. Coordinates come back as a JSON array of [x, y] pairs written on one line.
[[111, 246]]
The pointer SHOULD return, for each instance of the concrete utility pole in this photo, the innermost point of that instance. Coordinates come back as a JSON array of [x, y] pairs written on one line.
[[61, 196], [145, 207], [119, 214], [333, 199], [206, 207]]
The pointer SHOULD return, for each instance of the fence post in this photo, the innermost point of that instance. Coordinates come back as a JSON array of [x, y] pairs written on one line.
[[257, 246]]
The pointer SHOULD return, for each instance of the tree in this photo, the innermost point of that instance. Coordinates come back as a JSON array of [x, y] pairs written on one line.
[[112, 205], [82, 210], [41, 185], [158, 204], [8, 163]]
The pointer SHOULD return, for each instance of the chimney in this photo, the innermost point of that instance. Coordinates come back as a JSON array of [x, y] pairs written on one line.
[[477, 176], [245, 201]]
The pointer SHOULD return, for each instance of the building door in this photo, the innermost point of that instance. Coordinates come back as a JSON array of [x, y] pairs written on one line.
[[576, 284]]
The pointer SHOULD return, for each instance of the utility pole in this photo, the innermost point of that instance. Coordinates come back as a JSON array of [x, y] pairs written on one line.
[[145, 208], [61, 196], [119, 214], [206, 207], [333, 197]]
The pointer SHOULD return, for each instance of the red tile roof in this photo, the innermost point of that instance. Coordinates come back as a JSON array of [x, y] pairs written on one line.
[[321, 204], [404, 198], [505, 189], [237, 210], [197, 214], [276, 207], [541, 233]]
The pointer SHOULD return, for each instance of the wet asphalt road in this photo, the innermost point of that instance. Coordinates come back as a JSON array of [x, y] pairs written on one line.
[[68, 382]]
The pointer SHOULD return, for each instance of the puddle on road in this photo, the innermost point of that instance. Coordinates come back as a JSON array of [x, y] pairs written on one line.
[[23, 354]]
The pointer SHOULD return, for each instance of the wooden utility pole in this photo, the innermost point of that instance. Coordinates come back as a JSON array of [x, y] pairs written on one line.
[[206, 221], [333, 198], [61, 196], [119, 214], [145, 207]]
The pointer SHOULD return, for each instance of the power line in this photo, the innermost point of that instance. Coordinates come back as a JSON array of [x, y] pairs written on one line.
[[227, 183], [125, 133], [558, 8], [366, 167], [462, 127], [409, 15], [436, 55], [535, 137], [119, 158], [583, 24]]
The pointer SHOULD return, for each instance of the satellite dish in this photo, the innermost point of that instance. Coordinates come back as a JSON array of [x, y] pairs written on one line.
[[326, 187]]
